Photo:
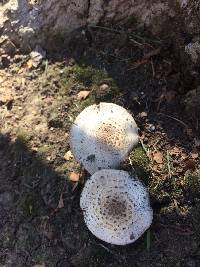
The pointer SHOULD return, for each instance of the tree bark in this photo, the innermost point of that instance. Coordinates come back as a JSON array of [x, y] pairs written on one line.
[[27, 23]]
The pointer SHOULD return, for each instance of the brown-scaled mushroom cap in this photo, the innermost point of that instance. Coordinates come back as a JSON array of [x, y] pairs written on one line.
[[102, 136], [116, 207]]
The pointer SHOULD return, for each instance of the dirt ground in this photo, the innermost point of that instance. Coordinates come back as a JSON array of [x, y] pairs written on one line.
[[41, 223]]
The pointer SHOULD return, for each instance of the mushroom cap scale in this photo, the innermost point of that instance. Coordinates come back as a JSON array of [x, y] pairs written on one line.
[[102, 136], [116, 207]]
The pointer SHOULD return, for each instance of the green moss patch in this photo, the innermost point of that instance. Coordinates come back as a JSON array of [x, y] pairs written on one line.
[[193, 182], [140, 163]]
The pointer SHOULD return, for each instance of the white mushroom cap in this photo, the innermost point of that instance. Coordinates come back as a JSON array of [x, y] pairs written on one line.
[[102, 136], [116, 207]]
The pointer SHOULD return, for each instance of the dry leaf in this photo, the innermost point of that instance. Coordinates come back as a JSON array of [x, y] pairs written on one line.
[[29, 63], [82, 95], [158, 157], [175, 151], [156, 169], [190, 164], [184, 156], [39, 265], [68, 155], [74, 177], [194, 155], [61, 202]]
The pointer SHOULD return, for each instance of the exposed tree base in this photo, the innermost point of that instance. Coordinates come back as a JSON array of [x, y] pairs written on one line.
[[24, 24]]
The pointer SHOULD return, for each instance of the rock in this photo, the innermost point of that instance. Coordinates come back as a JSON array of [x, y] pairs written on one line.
[[143, 114], [104, 87], [36, 58], [150, 127], [18, 58], [26, 32], [27, 23], [4, 61], [8, 47], [68, 155]]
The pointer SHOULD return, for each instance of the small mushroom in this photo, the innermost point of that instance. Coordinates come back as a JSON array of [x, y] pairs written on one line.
[[116, 207], [102, 136]]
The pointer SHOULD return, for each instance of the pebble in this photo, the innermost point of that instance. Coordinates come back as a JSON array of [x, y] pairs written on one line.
[[143, 114], [104, 87], [151, 127]]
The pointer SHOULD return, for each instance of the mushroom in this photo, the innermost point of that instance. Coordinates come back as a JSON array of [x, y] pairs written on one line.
[[116, 207], [102, 136]]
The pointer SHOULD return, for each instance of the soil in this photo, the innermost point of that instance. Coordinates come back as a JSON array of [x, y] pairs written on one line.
[[41, 223]]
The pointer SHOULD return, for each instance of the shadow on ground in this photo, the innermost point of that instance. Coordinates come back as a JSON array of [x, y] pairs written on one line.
[[34, 229], [151, 76]]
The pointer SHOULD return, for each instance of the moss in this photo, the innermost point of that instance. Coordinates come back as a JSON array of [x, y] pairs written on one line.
[[22, 139], [81, 75], [193, 182], [67, 84], [88, 75], [109, 93], [45, 149], [32, 203], [139, 157], [78, 77], [140, 162]]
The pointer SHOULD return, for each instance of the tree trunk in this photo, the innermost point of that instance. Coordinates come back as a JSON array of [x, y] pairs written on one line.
[[27, 23]]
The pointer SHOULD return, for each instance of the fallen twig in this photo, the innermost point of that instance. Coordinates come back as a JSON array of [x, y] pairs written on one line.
[[148, 239], [152, 53], [119, 257], [145, 149], [168, 116], [153, 69], [130, 35], [136, 42], [139, 63], [105, 28], [168, 164]]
